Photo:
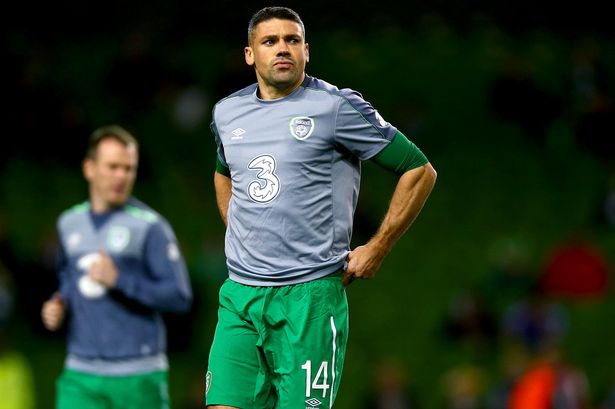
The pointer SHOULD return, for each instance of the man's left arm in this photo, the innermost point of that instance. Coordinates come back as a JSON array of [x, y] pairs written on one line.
[[411, 192]]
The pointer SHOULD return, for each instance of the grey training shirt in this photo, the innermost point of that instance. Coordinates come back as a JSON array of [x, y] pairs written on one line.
[[295, 168]]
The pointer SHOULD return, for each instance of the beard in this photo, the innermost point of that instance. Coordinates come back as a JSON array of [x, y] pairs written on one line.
[[282, 79]]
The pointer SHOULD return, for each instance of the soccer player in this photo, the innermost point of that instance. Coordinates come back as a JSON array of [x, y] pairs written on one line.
[[287, 182], [120, 267]]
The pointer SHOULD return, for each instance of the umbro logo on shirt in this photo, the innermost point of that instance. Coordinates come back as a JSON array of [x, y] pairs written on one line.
[[238, 133]]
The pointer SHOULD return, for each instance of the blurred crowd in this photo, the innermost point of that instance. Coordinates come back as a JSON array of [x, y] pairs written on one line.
[[512, 330]]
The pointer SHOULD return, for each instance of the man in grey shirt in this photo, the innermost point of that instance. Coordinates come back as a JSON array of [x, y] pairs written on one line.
[[287, 182]]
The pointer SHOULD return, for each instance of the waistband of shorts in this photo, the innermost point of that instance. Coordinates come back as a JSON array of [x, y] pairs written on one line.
[[334, 275]]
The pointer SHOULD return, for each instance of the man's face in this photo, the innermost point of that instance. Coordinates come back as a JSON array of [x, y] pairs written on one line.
[[279, 54], [111, 174]]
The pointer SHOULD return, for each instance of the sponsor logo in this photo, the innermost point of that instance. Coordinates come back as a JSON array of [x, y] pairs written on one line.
[[301, 127], [88, 287], [118, 238], [267, 185]]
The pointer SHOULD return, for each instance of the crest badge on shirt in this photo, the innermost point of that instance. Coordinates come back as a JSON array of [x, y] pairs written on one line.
[[301, 127], [118, 238]]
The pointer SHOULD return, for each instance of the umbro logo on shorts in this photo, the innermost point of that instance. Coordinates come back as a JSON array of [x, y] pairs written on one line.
[[312, 402]]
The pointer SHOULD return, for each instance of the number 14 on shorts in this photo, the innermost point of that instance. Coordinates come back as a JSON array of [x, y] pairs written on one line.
[[320, 379]]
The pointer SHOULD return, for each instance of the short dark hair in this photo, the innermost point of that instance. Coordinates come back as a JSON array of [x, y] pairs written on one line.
[[109, 132], [267, 13]]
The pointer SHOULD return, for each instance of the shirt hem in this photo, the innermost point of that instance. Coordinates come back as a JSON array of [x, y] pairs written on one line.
[[104, 367], [267, 282]]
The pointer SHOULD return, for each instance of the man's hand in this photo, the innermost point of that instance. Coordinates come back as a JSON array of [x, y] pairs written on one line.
[[363, 262], [103, 270], [53, 313]]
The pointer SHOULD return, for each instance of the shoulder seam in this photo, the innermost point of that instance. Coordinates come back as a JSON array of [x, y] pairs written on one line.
[[236, 94], [342, 97]]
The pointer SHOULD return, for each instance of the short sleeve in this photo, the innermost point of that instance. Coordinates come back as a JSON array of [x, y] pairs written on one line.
[[360, 128]]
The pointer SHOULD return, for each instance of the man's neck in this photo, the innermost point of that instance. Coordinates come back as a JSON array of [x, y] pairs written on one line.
[[98, 206], [267, 92]]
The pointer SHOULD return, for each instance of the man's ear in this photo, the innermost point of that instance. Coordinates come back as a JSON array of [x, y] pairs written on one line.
[[88, 169], [307, 52], [249, 54]]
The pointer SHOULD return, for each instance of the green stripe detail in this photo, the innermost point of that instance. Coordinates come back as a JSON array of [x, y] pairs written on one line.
[[78, 208], [141, 214], [221, 169]]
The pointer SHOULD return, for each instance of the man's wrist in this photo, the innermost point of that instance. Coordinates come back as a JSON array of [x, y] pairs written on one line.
[[379, 246]]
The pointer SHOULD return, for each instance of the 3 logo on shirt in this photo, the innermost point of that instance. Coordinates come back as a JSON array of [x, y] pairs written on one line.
[[267, 184], [117, 240], [88, 287]]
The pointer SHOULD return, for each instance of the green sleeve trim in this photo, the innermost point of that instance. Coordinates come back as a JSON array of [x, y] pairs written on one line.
[[223, 170], [141, 214], [81, 207], [400, 155], [78, 208]]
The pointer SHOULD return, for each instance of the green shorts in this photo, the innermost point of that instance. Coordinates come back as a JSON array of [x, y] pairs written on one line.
[[78, 390], [278, 347]]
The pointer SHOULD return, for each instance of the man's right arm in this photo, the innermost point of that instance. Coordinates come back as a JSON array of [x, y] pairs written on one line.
[[54, 309], [222, 184]]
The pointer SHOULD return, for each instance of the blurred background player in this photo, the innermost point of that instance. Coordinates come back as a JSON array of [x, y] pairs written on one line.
[[119, 267]]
